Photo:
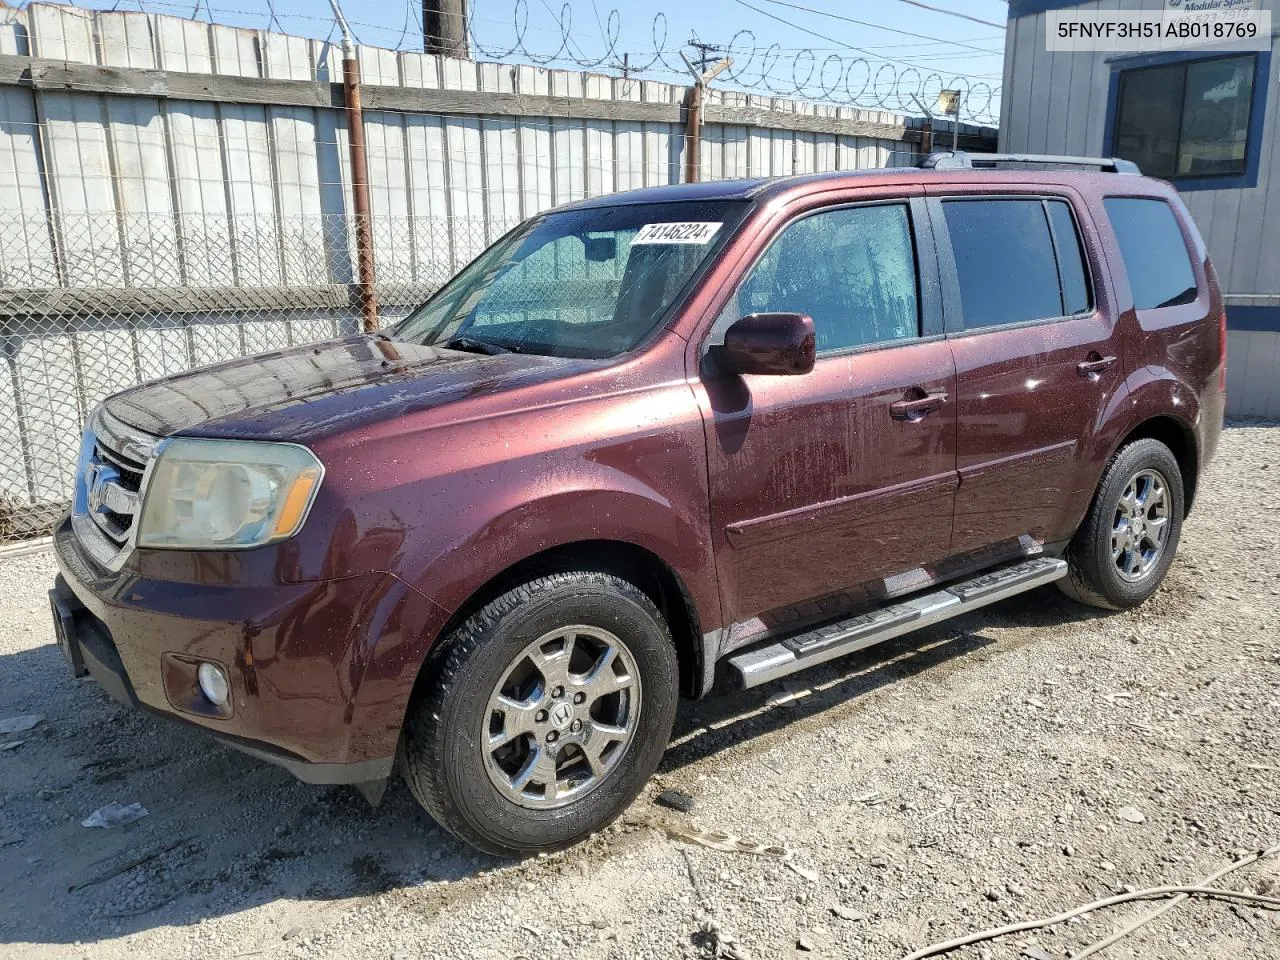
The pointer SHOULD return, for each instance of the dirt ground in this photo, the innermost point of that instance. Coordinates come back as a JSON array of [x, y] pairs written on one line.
[[987, 771]]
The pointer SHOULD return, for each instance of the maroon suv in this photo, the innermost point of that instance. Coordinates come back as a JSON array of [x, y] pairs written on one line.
[[723, 430]]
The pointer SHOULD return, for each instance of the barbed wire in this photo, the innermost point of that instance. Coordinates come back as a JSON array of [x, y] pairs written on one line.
[[832, 72], [860, 81]]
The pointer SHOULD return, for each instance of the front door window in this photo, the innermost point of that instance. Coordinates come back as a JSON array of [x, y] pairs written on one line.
[[852, 270]]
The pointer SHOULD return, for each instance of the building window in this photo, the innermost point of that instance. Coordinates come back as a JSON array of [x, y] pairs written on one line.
[[1188, 119]]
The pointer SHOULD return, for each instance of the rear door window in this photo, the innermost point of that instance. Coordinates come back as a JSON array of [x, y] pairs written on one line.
[[1154, 252], [1016, 260]]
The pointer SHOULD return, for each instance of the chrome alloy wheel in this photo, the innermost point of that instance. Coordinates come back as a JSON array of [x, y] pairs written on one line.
[[561, 717], [1140, 528]]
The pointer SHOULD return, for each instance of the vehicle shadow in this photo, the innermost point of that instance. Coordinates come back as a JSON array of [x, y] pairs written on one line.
[[728, 717], [225, 833]]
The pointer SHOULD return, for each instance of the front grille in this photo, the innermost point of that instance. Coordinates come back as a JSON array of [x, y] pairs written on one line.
[[114, 525], [110, 483], [114, 482], [130, 471]]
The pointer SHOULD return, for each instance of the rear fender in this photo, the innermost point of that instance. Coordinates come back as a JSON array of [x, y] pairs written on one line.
[[1148, 393]]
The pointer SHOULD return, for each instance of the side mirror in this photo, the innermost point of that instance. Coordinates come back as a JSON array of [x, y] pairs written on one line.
[[778, 344]]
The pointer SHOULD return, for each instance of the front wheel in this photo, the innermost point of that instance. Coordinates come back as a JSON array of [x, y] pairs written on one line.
[[544, 714], [1124, 548]]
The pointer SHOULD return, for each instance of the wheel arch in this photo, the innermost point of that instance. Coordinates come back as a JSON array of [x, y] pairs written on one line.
[[1180, 438], [638, 565]]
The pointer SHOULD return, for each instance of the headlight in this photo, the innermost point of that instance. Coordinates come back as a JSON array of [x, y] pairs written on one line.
[[227, 494]]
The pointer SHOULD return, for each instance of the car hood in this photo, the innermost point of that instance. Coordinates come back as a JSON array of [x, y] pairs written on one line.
[[306, 392]]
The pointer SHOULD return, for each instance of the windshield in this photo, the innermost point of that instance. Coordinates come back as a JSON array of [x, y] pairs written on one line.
[[583, 283]]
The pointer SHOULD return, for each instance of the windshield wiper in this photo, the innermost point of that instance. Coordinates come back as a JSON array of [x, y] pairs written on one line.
[[472, 345]]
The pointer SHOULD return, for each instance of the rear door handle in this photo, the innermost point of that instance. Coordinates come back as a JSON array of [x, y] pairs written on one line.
[[1095, 365], [918, 408]]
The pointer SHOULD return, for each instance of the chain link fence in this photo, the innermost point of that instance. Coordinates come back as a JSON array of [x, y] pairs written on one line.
[[176, 194], [92, 304]]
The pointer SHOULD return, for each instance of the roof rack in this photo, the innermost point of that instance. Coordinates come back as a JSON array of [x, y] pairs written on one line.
[[959, 160]]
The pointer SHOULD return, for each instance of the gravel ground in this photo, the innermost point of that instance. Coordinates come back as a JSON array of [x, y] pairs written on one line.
[[972, 775]]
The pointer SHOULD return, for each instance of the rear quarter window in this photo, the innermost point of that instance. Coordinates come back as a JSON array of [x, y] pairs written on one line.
[[1154, 252]]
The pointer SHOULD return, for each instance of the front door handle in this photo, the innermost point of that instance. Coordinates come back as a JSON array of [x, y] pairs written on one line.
[[1095, 365], [918, 407]]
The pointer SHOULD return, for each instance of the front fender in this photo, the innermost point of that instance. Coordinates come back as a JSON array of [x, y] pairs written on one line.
[[428, 595], [529, 526], [483, 496]]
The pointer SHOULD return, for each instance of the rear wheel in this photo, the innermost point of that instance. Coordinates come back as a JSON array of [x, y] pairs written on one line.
[[1127, 542], [544, 714]]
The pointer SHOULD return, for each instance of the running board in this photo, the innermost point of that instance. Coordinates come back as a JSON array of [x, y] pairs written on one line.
[[800, 651]]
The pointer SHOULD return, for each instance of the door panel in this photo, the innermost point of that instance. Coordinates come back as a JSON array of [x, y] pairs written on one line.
[[816, 487], [1025, 416], [822, 482], [1031, 388]]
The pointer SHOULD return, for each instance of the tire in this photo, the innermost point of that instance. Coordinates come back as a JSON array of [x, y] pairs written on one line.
[[1096, 576], [472, 789]]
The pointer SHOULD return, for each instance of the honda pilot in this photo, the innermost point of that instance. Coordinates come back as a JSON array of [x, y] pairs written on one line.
[[648, 443]]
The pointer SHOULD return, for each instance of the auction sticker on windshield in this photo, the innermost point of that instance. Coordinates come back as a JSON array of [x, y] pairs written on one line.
[[676, 233]]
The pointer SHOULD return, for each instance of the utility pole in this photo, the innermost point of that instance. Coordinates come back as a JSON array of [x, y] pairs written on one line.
[[623, 68], [359, 177], [702, 76], [444, 28], [704, 58], [626, 70]]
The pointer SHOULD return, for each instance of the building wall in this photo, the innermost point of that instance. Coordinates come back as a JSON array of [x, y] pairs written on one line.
[[1058, 103]]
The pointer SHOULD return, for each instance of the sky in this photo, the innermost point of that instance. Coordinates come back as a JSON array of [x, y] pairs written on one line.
[[805, 48]]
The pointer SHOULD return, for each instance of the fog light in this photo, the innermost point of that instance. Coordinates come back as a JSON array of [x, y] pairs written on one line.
[[213, 684]]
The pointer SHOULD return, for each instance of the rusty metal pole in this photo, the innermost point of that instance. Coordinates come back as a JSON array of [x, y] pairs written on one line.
[[693, 119], [360, 194], [693, 135], [359, 178]]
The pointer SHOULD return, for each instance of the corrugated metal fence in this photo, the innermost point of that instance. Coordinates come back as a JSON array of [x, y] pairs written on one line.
[[176, 193]]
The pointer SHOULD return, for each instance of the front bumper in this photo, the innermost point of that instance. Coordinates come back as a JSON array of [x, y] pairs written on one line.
[[292, 652]]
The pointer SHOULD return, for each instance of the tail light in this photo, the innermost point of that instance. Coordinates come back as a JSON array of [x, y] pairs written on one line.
[[1212, 276], [1222, 350]]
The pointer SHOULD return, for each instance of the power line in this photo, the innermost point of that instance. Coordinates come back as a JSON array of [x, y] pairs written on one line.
[[925, 57], [937, 43], [599, 26], [877, 26], [568, 43], [823, 36], [955, 13]]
